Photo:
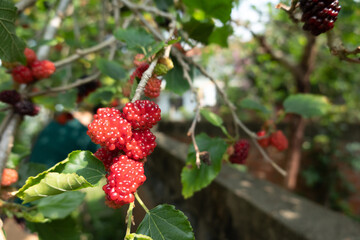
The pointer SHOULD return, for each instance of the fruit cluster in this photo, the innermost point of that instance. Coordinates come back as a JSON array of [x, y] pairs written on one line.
[[153, 86], [319, 16], [19, 105], [34, 69], [276, 139], [126, 140], [241, 151]]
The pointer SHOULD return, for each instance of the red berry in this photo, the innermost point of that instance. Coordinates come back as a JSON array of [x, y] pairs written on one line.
[[279, 140], [319, 16], [26, 107], [42, 69], [142, 144], [264, 142], [10, 96], [109, 129], [125, 176], [142, 114], [30, 56], [153, 88], [138, 72], [241, 151], [106, 156], [9, 176], [22, 74]]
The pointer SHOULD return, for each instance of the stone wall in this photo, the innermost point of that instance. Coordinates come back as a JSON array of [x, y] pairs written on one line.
[[237, 206]]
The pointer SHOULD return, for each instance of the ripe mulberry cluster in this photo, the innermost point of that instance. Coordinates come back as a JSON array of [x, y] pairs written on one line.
[[125, 176], [19, 105], [241, 151], [276, 139], [34, 69], [142, 114], [126, 141], [319, 16], [153, 88]]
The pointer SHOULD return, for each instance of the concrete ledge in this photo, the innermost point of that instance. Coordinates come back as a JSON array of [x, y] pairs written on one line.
[[237, 206]]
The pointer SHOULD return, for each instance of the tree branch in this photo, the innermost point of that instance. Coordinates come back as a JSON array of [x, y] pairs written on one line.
[[52, 28], [22, 5], [337, 49]]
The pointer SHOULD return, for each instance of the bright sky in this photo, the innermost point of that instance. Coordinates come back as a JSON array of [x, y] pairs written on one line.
[[245, 12]]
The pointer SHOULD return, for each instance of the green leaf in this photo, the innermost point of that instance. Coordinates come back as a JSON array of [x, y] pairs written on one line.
[[140, 40], [220, 9], [199, 31], [254, 105], [52, 184], [307, 105], [194, 179], [101, 96], [30, 216], [60, 206], [111, 69], [80, 170], [172, 41], [220, 35], [165, 222], [85, 164], [154, 49], [11, 47], [175, 80], [211, 117], [214, 120], [57, 230]]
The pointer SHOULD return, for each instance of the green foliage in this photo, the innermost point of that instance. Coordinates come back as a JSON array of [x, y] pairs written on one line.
[[165, 222], [307, 105], [175, 80], [80, 170], [139, 40], [214, 120], [199, 30], [194, 179], [111, 69], [220, 35], [254, 105], [219, 9], [11, 47], [57, 230], [60, 206]]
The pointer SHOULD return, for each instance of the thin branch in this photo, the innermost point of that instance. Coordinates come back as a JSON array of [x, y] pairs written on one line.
[[7, 140], [337, 49], [232, 108], [144, 79], [77, 83], [289, 9], [22, 5], [277, 55], [81, 53]]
